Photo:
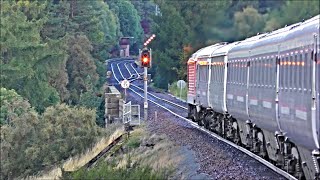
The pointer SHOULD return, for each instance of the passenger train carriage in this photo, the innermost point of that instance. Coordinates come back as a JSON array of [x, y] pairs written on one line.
[[263, 93]]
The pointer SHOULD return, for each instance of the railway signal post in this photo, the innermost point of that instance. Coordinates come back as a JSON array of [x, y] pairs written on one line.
[[145, 58]]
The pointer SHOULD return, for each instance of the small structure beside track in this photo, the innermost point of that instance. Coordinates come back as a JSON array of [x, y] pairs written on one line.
[[118, 111], [113, 103]]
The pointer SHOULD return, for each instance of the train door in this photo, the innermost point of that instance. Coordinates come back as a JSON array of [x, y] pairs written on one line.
[[315, 94]]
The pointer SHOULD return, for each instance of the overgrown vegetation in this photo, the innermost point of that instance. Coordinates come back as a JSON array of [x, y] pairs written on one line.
[[107, 170], [175, 90], [185, 26], [31, 142], [141, 156]]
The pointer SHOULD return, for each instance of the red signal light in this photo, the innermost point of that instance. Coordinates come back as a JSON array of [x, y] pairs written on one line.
[[145, 59]]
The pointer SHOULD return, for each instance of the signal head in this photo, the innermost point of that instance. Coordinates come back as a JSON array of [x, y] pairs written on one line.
[[145, 58]]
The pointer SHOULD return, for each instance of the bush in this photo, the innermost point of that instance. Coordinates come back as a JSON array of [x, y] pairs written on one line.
[[108, 171], [173, 89]]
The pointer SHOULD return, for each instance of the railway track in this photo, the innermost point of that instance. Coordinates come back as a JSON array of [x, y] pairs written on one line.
[[160, 102], [153, 98]]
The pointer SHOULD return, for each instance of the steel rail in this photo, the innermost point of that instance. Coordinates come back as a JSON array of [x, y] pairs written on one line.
[[175, 104], [249, 153]]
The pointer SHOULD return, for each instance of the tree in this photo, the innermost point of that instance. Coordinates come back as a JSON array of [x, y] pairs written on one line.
[[129, 21], [67, 131], [81, 67], [172, 35], [23, 54], [19, 124], [292, 12], [30, 142], [248, 22]]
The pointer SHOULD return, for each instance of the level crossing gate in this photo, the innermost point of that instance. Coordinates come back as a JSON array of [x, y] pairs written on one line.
[[131, 114]]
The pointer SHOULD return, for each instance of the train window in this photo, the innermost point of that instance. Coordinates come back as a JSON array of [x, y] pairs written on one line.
[[269, 62], [255, 77], [242, 72], [239, 73], [230, 70], [297, 71], [274, 72], [260, 80], [282, 74], [310, 60], [218, 73], [270, 65], [306, 67], [256, 73], [292, 73], [215, 73], [287, 72], [222, 72], [300, 60], [265, 72], [234, 72], [244, 69], [251, 74]]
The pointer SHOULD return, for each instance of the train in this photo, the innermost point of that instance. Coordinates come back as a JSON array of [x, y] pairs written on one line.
[[263, 93]]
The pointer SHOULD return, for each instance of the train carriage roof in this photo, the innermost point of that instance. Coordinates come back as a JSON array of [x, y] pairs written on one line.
[[305, 30], [224, 50], [207, 51], [241, 50], [273, 38]]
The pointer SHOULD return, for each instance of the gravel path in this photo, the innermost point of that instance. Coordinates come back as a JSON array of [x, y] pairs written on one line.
[[211, 158]]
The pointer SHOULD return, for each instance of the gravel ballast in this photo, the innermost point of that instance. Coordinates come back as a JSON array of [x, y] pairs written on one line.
[[206, 156]]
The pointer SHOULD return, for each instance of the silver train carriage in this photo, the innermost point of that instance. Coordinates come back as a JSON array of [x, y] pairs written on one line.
[[266, 88]]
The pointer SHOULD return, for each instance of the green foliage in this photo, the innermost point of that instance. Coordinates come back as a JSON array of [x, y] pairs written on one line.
[[30, 142], [81, 67], [172, 34], [247, 22], [204, 23], [24, 55], [67, 132], [173, 89], [109, 171], [98, 23], [129, 21], [292, 12], [12, 106], [134, 142]]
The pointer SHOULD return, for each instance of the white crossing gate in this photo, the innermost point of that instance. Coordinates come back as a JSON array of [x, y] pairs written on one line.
[[131, 114], [126, 113], [135, 115]]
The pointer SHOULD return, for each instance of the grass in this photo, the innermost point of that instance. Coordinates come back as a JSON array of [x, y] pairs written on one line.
[[135, 160], [75, 163], [174, 90], [107, 170]]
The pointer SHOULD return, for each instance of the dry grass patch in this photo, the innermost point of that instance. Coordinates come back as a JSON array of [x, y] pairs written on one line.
[[75, 163]]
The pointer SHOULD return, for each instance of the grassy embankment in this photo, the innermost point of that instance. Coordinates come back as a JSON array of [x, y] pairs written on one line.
[[174, 90], [140, 156]]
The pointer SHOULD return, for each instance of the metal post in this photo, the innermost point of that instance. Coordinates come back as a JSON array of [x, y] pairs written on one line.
[[145, 105]]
